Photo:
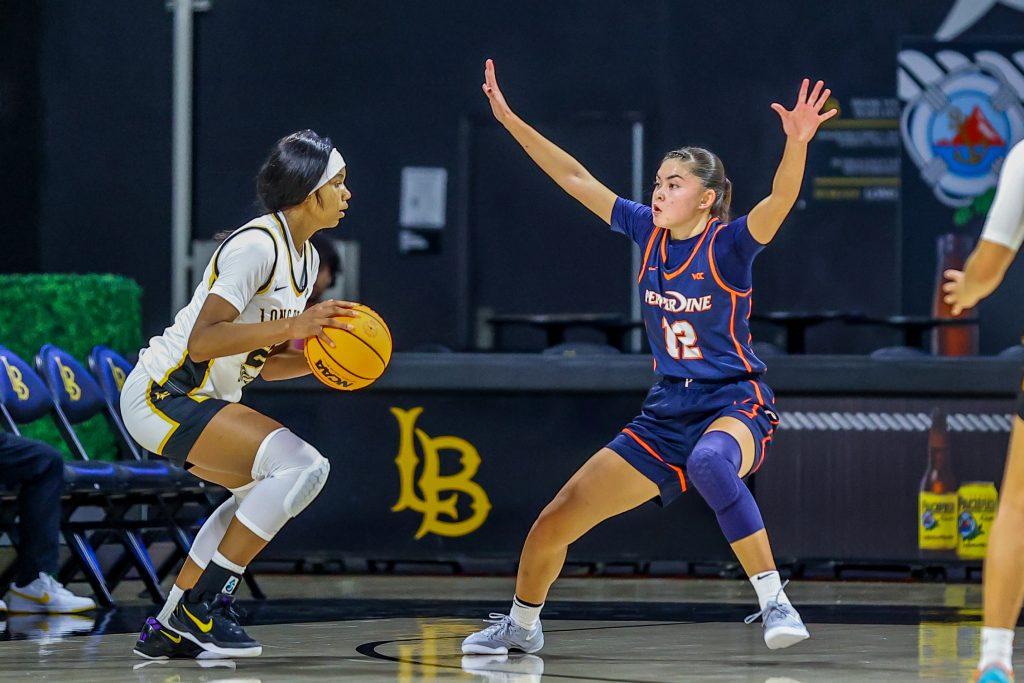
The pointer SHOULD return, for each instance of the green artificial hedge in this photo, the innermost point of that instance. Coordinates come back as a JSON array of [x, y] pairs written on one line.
[[75, 312]]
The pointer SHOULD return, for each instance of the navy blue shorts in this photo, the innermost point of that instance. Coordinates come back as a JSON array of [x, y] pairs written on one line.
[[677, 412]]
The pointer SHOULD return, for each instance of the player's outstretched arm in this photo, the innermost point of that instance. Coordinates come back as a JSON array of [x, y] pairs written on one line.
[[800, 124], [570, 175], [1000, 240]]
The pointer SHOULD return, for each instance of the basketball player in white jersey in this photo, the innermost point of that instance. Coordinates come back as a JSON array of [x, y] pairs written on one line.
[[181, 400], [1003, 576]]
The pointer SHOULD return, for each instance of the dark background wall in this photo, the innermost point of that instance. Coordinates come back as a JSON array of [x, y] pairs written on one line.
[[20, 133], [390, 83]]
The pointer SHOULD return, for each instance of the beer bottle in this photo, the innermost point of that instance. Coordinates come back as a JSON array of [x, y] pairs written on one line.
[[952, 340], [937, 499]]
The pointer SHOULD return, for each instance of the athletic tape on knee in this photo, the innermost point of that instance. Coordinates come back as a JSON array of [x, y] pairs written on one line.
[[712, 468], [290, 474]]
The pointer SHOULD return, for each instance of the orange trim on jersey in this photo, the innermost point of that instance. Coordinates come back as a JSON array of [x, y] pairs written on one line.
[[752, 414], [643, 444], [757, 390], [714, 269], [764, 451], [647, 254], [732, 329], [696, 249]]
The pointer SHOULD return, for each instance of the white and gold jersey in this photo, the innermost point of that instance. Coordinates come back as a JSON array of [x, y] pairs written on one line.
[[258, 270]]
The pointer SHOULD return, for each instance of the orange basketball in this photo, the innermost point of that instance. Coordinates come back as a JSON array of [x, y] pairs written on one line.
[[358, 357]]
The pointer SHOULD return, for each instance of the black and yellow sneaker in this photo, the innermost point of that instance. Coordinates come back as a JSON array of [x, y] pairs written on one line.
[[157, 642], [211, 622]]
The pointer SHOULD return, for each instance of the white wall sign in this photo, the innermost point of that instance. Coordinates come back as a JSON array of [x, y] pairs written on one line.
[[424, 195]]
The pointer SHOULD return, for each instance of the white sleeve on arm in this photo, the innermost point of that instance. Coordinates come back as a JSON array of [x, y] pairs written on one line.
[[1005, 222], [243, 265]]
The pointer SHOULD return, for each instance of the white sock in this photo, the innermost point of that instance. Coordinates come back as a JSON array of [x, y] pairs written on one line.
[[524, 615], [769, 587], [996, 647], [172, 601]]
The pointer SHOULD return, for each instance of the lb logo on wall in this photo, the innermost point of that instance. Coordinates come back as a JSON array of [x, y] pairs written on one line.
[[432, 494], [962, 115]]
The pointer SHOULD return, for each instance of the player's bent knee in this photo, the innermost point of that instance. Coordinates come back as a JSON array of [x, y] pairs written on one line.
[[555, 526], [547, 529], [712, 475], [308, 485]]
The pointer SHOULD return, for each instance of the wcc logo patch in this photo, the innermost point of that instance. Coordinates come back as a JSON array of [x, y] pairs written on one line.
[[432, 494]]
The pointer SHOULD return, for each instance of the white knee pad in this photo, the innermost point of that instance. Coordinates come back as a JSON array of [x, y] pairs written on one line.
[[289, 473], [212, 531], [308, 485]]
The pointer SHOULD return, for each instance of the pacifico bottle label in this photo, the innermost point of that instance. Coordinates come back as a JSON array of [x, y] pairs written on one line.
[[977, 504], [936, 521]]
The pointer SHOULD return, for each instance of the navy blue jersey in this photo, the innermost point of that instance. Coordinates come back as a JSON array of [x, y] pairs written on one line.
[[695, 295]]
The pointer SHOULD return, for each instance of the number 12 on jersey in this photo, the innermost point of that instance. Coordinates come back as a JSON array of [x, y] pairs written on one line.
[[681, 340]]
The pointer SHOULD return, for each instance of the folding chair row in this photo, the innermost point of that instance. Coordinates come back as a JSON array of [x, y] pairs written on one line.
[[141, 500], [111, 369]]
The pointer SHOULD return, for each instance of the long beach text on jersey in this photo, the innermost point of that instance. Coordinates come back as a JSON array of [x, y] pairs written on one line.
[[267, 277]]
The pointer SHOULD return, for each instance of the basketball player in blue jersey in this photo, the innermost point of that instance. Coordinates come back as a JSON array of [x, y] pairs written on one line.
[[709, 421], [1003, 578]]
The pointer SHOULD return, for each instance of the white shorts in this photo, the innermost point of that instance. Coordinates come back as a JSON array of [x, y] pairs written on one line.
[[163, 420]]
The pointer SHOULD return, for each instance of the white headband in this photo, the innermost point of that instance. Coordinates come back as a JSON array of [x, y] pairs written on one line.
[[334, 165]]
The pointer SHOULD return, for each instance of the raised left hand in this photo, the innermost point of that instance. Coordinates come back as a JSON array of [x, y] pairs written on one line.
[[801, 123]]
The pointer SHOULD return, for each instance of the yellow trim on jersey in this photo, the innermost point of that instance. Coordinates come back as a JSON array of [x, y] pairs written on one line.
[[202, 383], [167, 375], [291, 265], [215, 272], [174, 425]]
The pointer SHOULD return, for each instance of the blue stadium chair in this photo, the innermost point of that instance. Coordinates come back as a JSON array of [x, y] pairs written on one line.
[[153, 483], [111, 369], [24, 398]]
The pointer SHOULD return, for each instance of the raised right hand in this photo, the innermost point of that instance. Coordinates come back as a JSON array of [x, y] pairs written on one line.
[[499, 107], [312, 321]]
